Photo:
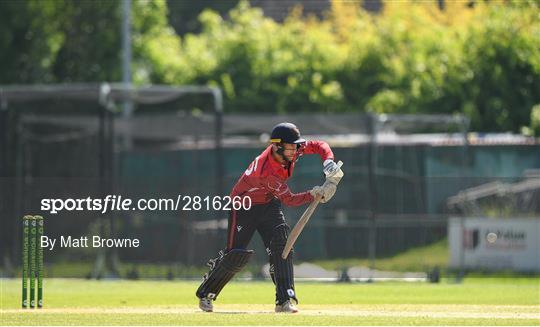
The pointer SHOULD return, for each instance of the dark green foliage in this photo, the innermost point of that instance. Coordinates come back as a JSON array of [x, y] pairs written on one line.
[[29, 39], [482, 60], [92, 46]]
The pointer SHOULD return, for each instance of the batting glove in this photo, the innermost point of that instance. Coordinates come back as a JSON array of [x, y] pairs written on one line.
[[330, 167], [317, 191]]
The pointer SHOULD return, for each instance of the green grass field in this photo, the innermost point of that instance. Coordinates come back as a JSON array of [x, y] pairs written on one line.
[[419, 259], [476, 301]]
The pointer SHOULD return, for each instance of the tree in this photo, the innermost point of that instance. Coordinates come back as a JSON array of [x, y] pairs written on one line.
[[30, 37], [91, 47]]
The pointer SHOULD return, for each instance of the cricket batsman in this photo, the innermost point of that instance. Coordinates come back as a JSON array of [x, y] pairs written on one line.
[[265, 183]]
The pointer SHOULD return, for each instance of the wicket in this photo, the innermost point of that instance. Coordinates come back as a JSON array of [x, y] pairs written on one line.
[[32, 260]]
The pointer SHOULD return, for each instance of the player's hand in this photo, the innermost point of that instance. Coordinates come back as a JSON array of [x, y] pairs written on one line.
[[333, 171], [317, 191], [330, 167], [325, 192], [329, 189]]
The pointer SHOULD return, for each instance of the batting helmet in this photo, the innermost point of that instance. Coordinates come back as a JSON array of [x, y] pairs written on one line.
[[286, 133]]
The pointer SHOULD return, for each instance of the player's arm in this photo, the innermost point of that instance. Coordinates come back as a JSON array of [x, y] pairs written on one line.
[[324, 151], [327, 156], [321, 148], [331, 169], [282, 191]]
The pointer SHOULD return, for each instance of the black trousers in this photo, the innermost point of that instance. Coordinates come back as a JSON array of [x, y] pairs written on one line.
[[268, 220], [263, 218]]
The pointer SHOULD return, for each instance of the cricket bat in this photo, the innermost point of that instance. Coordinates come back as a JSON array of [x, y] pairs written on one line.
[[301, 224]]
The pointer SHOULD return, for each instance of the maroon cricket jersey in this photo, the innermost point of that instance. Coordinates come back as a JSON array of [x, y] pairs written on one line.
[[265, 178]]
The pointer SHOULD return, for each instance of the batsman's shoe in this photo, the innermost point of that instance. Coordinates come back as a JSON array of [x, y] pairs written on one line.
[[206, 305], [286, 307]]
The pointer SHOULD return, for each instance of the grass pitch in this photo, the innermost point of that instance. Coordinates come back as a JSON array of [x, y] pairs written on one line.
[[477, 301]]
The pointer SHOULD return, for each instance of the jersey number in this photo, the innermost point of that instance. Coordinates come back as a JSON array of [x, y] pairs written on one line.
[[252, 167]]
